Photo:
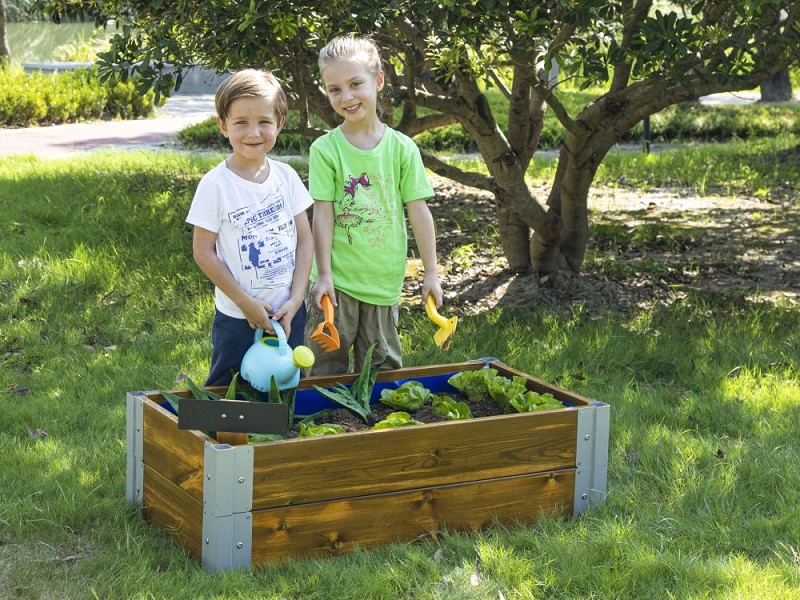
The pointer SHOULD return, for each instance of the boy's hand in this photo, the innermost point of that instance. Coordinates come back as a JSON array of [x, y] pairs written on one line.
[[286, 313], [257, 314]]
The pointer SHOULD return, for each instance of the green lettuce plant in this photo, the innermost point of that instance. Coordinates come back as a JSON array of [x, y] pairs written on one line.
[[445, 406], [410, 396], [474, 384], [396, 419]]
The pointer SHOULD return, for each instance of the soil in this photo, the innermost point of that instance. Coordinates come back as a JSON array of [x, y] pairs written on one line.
[[351, 422], [675, 242]]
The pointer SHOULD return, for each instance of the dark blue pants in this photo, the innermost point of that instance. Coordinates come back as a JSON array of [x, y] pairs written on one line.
[[231, 338]]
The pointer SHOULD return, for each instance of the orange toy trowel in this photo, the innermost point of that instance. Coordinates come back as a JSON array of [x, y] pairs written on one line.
[[326, 334], [447, 327]]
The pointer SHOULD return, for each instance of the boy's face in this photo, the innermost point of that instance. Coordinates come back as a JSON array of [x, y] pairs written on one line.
[[251, 127], [352, 89]]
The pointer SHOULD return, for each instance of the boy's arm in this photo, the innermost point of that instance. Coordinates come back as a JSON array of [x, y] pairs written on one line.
[[204, 251], [302, 269], [323, 242], [421, 220]]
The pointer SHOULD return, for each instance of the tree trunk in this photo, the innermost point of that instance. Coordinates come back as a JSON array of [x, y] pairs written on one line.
[[514, 238], [777, 88], [5, 50]]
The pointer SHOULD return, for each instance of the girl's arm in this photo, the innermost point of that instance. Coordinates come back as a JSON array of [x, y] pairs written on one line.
[[421, 220], [323, 241], [204, 252], [302, 268]]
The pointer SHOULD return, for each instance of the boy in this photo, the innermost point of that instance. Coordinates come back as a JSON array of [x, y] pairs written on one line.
[[252, 237]]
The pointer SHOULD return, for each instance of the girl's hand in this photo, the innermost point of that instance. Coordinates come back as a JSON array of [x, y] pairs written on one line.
[[323, 286], [432, 287]]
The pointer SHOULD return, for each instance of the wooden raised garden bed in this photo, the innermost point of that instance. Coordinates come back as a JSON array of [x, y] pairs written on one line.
[[237, 506]]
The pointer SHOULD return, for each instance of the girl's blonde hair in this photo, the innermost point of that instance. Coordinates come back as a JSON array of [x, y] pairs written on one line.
[[251, 83], [349, 47]]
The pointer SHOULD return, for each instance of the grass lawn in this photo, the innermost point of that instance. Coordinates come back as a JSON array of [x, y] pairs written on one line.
[[99, 296]]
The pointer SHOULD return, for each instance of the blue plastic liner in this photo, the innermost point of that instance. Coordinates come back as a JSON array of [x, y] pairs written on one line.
[[310, 401]]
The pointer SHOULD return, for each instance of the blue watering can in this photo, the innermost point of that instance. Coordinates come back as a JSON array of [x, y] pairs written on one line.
[[271, 356]]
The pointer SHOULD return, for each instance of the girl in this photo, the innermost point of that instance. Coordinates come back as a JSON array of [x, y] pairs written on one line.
[[362, 175]]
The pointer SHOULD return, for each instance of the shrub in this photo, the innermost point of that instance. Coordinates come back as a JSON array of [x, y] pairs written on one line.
[[68, 96]]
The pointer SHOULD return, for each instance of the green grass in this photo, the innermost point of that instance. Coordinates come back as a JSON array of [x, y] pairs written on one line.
[[99, 296]]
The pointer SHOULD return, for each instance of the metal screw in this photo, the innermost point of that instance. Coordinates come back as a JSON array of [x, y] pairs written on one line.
[[241, 417], [584, 496], [239, 545], [241, 479], [208, 476], [208, 541], [586, 437], [224, 415]]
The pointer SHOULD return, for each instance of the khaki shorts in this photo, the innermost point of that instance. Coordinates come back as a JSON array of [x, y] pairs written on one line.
[[359, 325]]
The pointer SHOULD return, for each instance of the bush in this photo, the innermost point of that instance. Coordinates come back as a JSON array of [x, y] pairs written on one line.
[[67, 96]]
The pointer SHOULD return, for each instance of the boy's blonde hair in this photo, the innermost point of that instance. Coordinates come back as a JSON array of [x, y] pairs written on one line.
[[349, 46], [251, 83]]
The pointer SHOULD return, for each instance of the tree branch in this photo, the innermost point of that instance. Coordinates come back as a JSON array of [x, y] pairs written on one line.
[[470, 178], [632, 19]]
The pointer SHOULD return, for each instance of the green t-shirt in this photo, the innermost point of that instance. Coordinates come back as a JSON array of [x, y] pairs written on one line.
[[369, 189]]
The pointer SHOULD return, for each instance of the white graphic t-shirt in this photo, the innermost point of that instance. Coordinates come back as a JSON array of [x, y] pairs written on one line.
[[254, 223]]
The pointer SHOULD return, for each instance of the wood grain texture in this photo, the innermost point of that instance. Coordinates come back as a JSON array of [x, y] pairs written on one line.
[[374, 462], [176, 454], [337, 527], [173, 509]]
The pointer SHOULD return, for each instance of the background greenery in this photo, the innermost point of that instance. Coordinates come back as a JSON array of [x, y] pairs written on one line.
[[99, 296], [40, 98], [688, 121]]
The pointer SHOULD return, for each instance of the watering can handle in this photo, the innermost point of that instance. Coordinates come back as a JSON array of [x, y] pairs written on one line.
[[283, 346]]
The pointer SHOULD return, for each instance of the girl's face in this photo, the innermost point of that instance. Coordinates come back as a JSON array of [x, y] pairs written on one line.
[[352, 89], [251, 127]]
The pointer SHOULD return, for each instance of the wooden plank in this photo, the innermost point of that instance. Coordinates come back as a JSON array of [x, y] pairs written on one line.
[[332, 528], [177, 454], [174, 510], [373, 462]]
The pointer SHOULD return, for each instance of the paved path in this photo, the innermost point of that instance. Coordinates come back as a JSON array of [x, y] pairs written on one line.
[[64, 140]]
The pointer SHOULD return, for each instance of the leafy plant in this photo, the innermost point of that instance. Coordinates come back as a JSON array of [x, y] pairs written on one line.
[[355, 397], [277, 396], [475, 384], [445, 406], [410, 396], [311, 430], [396, 419], [534, 401]]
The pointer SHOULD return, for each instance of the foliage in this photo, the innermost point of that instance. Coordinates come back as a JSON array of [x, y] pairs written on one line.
[[396, 419], [475, 384], [410, 396], [65, 97], [311, 430], [21, 10], [356, 396], [447, 407]]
